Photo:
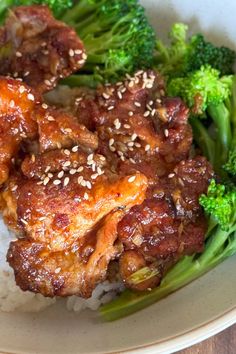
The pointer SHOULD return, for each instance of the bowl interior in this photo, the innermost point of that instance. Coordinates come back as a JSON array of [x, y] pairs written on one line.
[[57, 331]]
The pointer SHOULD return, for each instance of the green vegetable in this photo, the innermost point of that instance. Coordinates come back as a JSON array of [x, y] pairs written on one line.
[[117, 37], [142, 274], [208, 95], [220, 203], [187, 55]]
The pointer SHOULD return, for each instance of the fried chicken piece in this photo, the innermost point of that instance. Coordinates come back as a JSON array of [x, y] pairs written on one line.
[[25, 119], [38, 48], [68, 226], [139, 128], [167, 225], [17, 102]]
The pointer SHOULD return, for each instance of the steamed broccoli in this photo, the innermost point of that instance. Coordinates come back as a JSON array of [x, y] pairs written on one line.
[[187, 55], [220, 244], [208, 95], [117, 37]]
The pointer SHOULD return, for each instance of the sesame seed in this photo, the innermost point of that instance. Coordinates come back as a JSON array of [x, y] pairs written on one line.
[[166, 132], [127, 126], [14, 188], [80, 179], [131, 113], [57, 270], [24, 221], [67, 152], [22, 89], [80, 169], [111, 141], [46, 180], [90, 157], [102, 158], [15, 74], [75, 148], [149, 107], [131, 143], [132, 160], [56, 182], [40, 182], [110, 108], [42, 218], [78, 51], [138, 73], [26, 73], [84, 56], [122, 158], [83, 183], [112, 148], [47, 82], [158, 100], [119, 94], [81, 61], [11, 104], [100, 172], [67, 163], [149, 85], [66, 181], [18, 54], [51, 119], [50, 175], [171, 175], [86, 197], [71, 53], [147, 147], [119, 83], [90, 162], [89, 185], [134, 136], [94, 176], [94, 167], [146, 114], [33, 158], [123, 90], [137, 145], [131, 179], [105, 95], [44, 106], [153, 112], [60, 174], [137, 104], [120, 153], [131, 84], [30, 97], [72, 171], [150, 103], [130, 149], [47, 169]]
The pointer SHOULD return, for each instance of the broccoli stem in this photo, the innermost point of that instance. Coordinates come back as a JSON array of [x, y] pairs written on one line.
[[79, 11], [221, 117], [185, 271], [233, 112], [203, 139]]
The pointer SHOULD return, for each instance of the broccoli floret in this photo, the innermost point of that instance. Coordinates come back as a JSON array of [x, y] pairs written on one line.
[[220, 203], [208, 95], [201, 88], [117, 37], [187, 55]]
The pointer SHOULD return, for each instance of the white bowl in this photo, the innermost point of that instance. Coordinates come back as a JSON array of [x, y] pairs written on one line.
[[193, 313]]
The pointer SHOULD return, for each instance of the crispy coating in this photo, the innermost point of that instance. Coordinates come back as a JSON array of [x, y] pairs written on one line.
[[38, 48], [70, 227]]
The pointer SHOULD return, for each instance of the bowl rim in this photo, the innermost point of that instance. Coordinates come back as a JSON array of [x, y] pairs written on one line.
[[186, 339]]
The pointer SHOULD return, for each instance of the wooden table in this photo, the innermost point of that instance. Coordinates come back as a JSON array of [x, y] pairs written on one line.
[[222, 343]]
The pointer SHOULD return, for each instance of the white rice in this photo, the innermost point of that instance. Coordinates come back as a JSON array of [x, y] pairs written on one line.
[[12, 298]]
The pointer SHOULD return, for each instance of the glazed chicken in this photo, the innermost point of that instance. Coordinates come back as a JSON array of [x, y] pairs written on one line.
[[38, 48], [112, 180]]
